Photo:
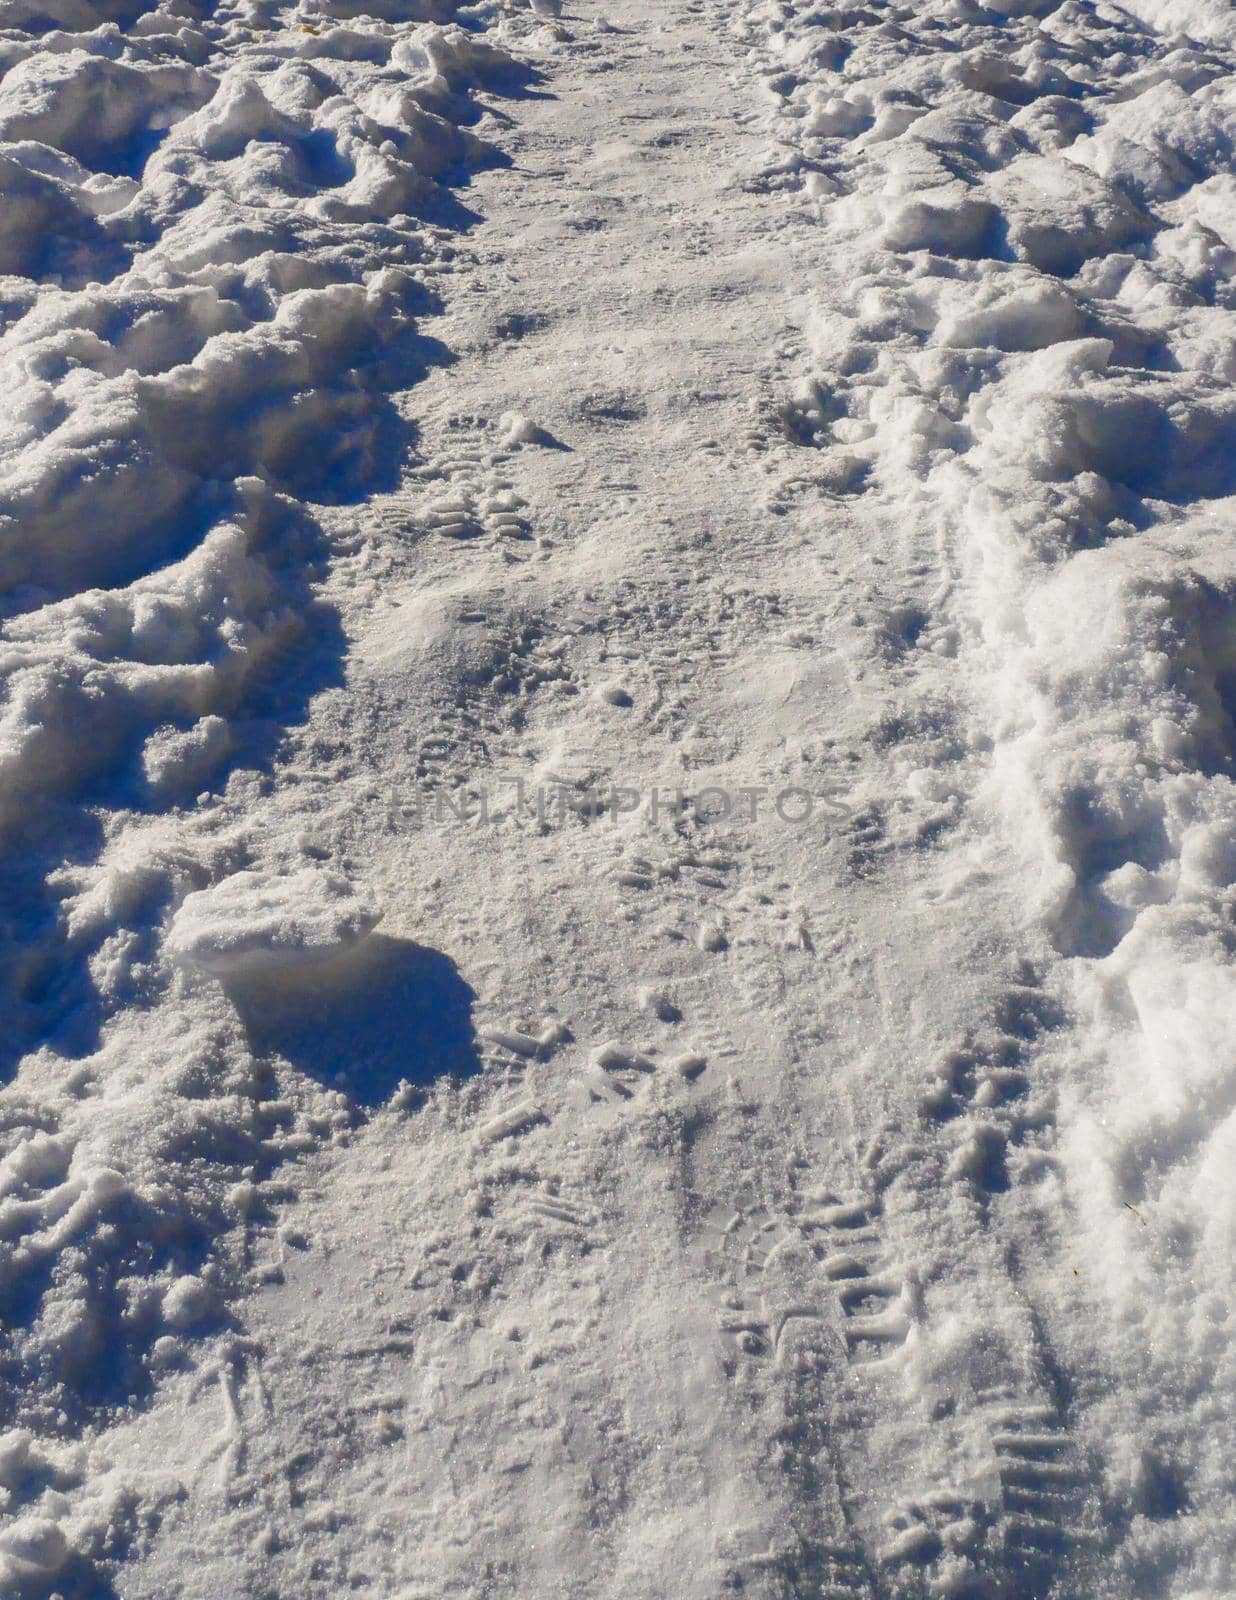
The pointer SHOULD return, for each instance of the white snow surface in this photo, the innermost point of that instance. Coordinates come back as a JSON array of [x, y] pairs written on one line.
[[617, 799]]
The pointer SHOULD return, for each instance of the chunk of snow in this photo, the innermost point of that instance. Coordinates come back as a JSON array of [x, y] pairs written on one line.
[[255, 923]]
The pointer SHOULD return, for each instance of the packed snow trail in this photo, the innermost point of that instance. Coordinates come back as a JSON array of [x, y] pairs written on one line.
[[473, 1134]]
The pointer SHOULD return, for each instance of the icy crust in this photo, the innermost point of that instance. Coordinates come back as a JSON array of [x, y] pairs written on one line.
[[1033, 363], [216, 230]]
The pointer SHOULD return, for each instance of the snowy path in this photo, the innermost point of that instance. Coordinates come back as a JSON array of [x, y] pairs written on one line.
[[824, 1206]]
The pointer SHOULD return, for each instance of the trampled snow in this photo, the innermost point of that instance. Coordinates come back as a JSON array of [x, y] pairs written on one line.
[[618, 798]]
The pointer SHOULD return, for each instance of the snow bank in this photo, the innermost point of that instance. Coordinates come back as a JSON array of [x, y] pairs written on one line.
[[210, 256], [213, 226], [1034, 361]]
